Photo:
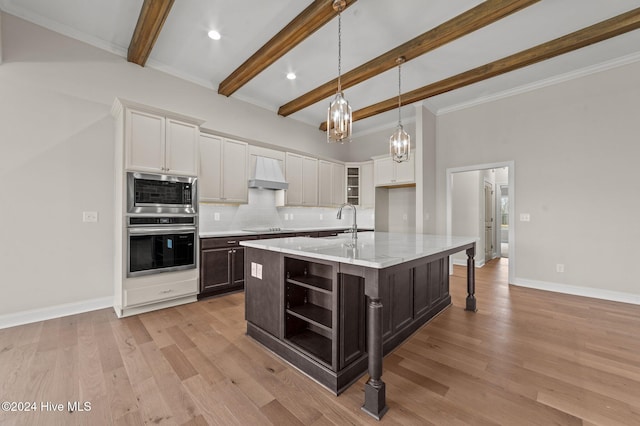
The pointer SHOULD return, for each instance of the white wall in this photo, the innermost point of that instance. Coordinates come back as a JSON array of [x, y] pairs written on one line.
[[56, 159], [362, 148], [575, 146], [465, 210]]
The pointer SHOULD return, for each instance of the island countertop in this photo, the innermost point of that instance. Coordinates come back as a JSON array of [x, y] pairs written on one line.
[[373, 249]]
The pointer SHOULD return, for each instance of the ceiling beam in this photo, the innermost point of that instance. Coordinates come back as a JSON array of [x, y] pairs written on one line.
[[599, 32], [150, 22], [302, 26], [473, 19]]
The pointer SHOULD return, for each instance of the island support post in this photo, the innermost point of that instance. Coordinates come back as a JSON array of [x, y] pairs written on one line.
[[471, 280], [375, 403]]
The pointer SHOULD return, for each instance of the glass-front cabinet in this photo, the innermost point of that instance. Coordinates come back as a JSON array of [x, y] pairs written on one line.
[[353, 185]]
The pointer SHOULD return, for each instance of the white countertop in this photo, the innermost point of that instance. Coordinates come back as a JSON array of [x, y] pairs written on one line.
[[374, 249], [239, 233]]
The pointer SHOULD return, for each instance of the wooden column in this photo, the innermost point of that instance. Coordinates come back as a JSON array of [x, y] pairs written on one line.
[[471, 279], [375, 403]]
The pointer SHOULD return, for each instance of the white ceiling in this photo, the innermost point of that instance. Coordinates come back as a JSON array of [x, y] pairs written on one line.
[[369, 28]]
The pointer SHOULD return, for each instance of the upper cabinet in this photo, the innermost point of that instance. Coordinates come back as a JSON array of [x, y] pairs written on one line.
[[360, 190], [223, 169], [331, 183], [158, 141], [302, 176], [389, 173]]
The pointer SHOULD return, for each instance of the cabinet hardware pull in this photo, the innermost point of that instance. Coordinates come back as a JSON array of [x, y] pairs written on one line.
[[231, 242], [166, 291]]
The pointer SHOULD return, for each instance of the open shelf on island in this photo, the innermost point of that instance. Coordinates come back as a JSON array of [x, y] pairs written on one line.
[[314, 344], [312, 313], [313, 282]]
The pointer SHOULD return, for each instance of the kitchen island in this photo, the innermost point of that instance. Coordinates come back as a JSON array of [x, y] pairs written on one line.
[[334, 306]]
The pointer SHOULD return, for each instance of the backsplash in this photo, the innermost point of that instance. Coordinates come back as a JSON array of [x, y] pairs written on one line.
[[261, 212]]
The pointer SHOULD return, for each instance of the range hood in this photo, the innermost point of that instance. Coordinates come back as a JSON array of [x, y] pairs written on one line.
[[267, 174]]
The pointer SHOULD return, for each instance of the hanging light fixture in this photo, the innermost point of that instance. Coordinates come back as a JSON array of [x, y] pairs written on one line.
[[339, 113], [400, 141]]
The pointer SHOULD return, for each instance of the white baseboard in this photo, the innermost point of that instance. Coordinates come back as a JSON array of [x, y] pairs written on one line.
[[479, 263], [596, 293], [35, 315]]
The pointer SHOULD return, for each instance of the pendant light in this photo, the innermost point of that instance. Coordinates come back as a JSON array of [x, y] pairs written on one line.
[[400, 141], [339, 112]]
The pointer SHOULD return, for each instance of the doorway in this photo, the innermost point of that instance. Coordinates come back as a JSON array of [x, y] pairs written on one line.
[[484, 218], [502, 205]]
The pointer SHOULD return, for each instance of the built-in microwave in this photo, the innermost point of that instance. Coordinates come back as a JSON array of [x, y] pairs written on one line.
[[149, 193]]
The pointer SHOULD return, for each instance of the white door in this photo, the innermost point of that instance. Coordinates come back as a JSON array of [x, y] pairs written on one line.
[[489, 221], [234, 171], [293, 171], [145, 141], [210, 178], [325, 186], [310, 181], [339, 183], [181, 148]]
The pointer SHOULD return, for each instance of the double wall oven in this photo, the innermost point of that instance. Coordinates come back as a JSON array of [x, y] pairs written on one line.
[[162, 231]]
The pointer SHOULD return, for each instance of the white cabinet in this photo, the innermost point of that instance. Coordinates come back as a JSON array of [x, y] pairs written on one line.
[[156, 142], [223, 169], [302, 176], [331, 184], [338, 182], [360, 189], [389, 173]]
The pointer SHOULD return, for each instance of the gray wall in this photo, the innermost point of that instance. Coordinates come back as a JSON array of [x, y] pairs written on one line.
[[575, 147]]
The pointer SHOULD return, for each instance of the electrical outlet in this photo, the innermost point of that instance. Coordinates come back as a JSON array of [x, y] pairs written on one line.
[[89, 216], [216, 216], [321, 216], [404, 217], [525, 217], [290, 216], [560, 267]]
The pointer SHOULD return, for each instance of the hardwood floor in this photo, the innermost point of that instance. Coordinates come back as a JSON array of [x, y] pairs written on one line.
[[527, 357]]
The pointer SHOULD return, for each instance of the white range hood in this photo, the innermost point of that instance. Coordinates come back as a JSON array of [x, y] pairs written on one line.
[[267, 174]]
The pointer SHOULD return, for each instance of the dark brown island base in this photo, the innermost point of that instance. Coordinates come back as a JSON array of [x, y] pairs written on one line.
[[333, 307]]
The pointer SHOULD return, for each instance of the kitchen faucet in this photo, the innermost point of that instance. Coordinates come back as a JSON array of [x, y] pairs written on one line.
[[354, 227]]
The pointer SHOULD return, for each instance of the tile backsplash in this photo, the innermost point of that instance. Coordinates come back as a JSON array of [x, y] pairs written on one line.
[[261, 212]]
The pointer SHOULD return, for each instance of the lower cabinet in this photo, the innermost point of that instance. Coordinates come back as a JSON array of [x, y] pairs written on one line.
[[221, 265]]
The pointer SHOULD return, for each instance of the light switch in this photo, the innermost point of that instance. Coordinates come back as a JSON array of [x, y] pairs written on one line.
[[259, 271], [525, 217], [253, 269], [89, 216]]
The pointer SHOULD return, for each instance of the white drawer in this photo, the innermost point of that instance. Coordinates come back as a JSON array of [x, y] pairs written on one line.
[[157, 293]]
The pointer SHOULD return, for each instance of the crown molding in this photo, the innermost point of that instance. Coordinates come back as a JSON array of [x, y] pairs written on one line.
[[529, 87]]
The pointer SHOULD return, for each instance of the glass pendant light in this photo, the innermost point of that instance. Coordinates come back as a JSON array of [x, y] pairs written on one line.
[[339, 113], [400, 141]]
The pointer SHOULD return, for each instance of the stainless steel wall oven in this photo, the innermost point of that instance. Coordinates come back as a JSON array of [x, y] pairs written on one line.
[[160, 244]]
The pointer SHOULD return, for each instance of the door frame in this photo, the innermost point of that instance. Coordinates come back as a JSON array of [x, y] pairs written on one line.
[[512, 202]]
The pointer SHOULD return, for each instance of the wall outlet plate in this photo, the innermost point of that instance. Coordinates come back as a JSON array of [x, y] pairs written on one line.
[[525, 217], [216, 216], [89, 216]]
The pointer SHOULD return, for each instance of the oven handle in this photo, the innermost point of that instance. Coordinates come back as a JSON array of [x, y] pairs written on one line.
[[160, 231]]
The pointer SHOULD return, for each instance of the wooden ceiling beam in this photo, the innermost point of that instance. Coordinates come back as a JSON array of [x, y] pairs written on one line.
[[604, 30], [150, 22], [473, 19], [302, 26]]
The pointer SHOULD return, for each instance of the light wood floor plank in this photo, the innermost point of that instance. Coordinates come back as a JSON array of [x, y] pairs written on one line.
[[526, 357]]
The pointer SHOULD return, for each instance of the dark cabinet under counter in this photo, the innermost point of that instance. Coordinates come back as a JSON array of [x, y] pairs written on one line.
[[221, 265]]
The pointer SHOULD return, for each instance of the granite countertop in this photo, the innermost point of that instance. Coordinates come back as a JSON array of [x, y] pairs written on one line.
[[373, 249], [239, 233]]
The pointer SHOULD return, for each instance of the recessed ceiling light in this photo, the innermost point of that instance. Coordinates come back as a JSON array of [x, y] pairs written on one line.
[[291, 76], [214, 35]]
